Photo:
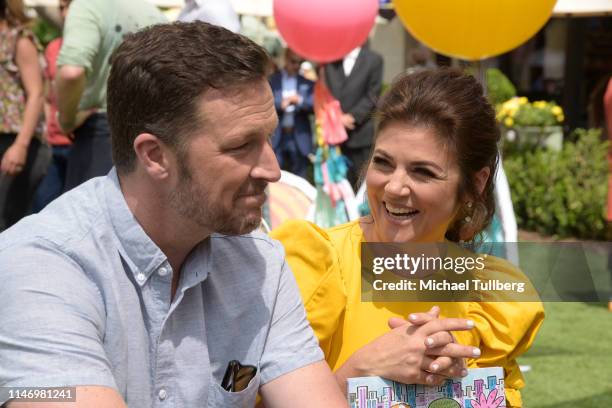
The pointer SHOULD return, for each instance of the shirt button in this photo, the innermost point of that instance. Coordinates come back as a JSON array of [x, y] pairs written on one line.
[[162, 394], [141, 277], [163, 271]]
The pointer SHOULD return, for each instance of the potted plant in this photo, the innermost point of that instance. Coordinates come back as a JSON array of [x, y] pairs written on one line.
[[532, 124]]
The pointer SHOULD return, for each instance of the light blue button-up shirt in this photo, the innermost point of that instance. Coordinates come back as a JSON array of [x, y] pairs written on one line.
[[85, 300]]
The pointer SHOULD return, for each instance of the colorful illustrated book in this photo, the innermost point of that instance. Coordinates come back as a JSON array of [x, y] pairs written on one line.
[[482, 388]]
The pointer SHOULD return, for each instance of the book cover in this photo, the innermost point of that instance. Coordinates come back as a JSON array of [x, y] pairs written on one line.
[[482, 388]]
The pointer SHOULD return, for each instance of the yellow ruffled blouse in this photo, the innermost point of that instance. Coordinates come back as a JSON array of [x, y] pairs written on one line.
[[327, 267]]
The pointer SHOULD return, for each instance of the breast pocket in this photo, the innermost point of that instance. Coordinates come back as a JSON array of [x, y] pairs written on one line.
[[218, 397]]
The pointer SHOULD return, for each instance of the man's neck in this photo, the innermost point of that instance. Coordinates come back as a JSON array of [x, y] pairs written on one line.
[[175, 236], [289, 74]]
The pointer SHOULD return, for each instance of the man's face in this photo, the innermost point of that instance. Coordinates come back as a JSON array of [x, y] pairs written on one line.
[[292, 62], [226, 166]]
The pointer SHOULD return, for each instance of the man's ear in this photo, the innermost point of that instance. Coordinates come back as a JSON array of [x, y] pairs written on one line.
[[480, 179], [152, 155]]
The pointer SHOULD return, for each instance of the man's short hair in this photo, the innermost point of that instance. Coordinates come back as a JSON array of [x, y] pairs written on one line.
[[159, 74]]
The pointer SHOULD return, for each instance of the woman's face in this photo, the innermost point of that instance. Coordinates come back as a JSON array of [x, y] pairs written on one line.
[[412, 183]]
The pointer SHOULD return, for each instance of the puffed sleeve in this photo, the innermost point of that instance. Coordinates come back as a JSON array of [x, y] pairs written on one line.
[[314, 262], [504, 329]]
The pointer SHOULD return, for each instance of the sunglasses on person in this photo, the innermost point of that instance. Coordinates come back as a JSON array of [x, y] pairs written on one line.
[[237, 376]]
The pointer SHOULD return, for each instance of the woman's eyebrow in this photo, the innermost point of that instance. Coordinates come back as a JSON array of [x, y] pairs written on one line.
[[382, 153], [428, 163]]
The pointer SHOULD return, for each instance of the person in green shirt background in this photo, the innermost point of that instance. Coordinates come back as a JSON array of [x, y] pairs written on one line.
[[93, 30]]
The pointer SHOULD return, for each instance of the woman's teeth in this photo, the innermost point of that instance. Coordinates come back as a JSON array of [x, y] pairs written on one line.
[[400, 212]]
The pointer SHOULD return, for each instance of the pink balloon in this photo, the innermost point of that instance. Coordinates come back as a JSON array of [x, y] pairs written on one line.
[[324, 30]]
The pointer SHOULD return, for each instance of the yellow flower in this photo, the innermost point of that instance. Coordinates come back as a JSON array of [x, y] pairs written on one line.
[[560, 117], [539, 104], [508, 122], [557, 110], [522, 100], [512, 103]]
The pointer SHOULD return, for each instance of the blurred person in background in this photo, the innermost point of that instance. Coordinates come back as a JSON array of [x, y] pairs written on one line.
[[293, 99], [607, 104], [92, 31], [356, 81], [21, 101], [420, 60], [53, 184], [600, 116]]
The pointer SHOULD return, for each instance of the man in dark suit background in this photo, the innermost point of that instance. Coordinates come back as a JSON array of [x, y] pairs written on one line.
[[293, 98], [356, 81]]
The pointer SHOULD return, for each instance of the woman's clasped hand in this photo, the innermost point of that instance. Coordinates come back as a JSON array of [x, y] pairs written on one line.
[[419, 351]]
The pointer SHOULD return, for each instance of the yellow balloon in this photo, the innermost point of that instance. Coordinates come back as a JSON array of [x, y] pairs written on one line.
[[473, 29]]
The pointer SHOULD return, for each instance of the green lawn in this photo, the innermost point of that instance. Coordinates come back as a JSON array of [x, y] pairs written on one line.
[[571, 359]]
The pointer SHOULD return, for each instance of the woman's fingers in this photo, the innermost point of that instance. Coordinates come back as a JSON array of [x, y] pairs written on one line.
[[436, 365], [423, 318], [450, 324], [455, 350], [428, 378], [395, 322], [438, 339], [446, 366], [416, 319], [434, 311]]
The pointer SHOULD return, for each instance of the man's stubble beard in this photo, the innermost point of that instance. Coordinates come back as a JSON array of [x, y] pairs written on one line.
[[193, 202]]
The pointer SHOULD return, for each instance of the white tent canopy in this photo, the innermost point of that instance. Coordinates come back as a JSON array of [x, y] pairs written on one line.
[[582, 8]]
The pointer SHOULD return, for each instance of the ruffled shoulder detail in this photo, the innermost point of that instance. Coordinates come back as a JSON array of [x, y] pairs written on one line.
[[505, 329], [315, 263]]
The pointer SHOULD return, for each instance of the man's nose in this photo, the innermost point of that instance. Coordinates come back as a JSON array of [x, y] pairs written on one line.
[[267, 168]]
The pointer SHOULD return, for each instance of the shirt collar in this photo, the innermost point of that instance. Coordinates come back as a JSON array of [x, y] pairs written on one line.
[[353, 54], [287, 76], [141, 254]]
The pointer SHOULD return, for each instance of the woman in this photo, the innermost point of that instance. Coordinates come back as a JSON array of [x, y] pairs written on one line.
[[429, 179], [52, 184], [21, 102]]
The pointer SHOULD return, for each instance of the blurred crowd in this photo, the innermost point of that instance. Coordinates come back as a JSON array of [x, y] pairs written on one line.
[[54, 132], [355, 81]]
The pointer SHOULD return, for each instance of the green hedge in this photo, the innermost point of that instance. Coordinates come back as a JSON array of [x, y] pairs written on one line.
[[499, 87], [562, 193]]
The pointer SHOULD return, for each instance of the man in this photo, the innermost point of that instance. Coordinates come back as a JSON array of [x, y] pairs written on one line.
[[93, 30], [356, 82], [135, 287], [292, 140]]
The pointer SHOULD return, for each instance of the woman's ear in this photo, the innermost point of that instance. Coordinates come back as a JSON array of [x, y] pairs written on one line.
[[481, 177]]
